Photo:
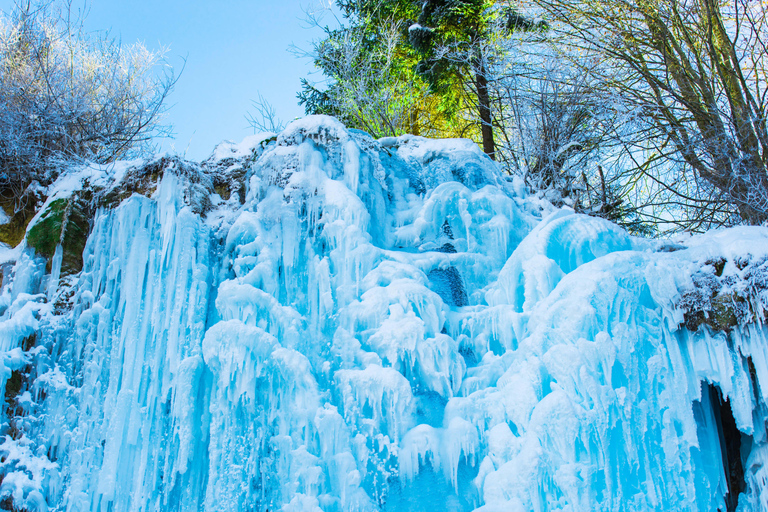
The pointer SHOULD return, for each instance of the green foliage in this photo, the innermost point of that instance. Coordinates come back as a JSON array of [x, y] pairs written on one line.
[[372, 78], [453, 37], [449, 22], [448, 37], [317, 102], [457, 45]]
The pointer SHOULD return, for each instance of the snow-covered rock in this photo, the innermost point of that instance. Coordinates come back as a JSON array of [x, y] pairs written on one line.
[[319, 321]]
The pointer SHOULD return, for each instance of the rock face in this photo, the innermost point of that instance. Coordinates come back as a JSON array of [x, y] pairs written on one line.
[[319, 321]]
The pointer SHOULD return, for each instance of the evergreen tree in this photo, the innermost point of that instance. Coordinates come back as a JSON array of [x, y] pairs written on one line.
[[411, 66], [455, 39]]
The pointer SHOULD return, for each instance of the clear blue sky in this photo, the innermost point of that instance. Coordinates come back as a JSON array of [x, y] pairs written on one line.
[[234, 49]]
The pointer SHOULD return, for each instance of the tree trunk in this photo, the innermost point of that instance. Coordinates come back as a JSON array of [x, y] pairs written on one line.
[[484, 107]]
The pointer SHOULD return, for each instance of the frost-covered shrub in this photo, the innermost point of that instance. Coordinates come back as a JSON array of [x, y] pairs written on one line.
[[66, 94]]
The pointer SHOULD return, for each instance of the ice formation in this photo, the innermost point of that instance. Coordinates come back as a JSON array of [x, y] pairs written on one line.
[[320, 321]]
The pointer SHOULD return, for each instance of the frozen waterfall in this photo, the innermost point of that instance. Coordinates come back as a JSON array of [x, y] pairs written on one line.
[[320, 321]]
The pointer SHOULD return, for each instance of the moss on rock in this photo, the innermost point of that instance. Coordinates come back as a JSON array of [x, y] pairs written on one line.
[[45, 235], [75, 237], [65, 222]]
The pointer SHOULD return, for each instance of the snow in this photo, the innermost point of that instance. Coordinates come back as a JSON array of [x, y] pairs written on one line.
[[381, 325], [244, 148]]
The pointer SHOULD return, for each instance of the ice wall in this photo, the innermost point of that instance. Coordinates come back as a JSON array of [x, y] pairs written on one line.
[[319, 321]]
